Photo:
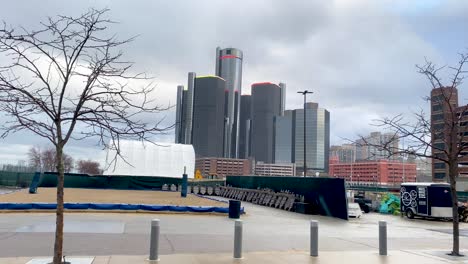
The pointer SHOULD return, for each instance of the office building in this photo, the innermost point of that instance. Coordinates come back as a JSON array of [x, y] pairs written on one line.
[[229, 67], [283, 137], [289, 139], [184, 111], [244, 126], [367, 148], [382, 172], [266, 104], [211, 167], [345, 153], [444, 101], [317, 139], [208, 116], [269, 169]]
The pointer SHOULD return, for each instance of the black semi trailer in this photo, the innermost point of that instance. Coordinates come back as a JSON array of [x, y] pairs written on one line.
[[426, 200]]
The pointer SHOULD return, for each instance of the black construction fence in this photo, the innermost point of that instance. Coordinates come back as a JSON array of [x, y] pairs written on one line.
[[324, 196]]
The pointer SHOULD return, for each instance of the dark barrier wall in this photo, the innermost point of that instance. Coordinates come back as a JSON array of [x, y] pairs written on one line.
[[326, 194], [19, 179], [73, 180]]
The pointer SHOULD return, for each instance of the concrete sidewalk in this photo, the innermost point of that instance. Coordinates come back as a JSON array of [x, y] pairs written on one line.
[[326, 257]]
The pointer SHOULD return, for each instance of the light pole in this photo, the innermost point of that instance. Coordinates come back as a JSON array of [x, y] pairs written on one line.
[[305, 92]]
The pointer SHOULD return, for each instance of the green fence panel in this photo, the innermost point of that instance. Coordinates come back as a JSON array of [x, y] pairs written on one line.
[[20, 179]]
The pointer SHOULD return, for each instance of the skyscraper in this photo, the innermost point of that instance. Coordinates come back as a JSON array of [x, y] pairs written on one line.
[[317, 138], [229, 67], [283, 137], [244, 126], [266, 104], [208, 116], [184, 111]]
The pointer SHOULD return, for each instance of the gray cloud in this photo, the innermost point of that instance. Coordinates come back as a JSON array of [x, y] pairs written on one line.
[[357, 56]]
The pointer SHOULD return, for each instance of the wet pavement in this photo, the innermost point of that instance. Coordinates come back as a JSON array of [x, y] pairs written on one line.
[[265, 229]]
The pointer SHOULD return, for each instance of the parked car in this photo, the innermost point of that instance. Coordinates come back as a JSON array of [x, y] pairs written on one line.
[[354, 210]]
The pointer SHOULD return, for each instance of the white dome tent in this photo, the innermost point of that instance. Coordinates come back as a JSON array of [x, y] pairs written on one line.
[[151, 159]]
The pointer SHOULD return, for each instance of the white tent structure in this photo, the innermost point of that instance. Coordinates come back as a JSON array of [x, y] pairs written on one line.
[[148, 159]]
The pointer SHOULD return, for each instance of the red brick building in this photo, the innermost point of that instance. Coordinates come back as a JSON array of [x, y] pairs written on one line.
[[221, 167], [381, 171]]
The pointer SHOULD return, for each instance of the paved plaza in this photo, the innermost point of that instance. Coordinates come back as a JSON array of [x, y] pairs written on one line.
[[183, 235]]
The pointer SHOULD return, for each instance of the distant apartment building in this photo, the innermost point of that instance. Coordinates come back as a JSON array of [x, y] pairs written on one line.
[[345, 153], [380, 171], [369, 148], [423, 169], [290, 128], [270, 169], [222, 167]]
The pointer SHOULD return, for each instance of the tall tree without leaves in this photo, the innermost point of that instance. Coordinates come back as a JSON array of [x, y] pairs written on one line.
[[88, 167], [442, 140], [68, 80], [45, 160]]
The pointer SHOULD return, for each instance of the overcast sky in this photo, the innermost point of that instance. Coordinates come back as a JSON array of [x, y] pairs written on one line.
[[358, 57]]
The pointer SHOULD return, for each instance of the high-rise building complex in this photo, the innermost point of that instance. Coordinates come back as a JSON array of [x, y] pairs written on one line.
[[229, 67], [317, 138], [266, 104], [208, 116]]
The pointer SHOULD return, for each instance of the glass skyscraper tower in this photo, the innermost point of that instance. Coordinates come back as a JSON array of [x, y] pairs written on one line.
[[229, 67]]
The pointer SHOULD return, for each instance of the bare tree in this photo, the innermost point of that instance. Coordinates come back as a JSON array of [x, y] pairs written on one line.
[[68, 80], [89, 167], [442, 138], [46, 160]]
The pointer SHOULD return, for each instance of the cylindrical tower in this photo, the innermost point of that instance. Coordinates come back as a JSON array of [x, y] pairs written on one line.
[[208, 116], [229, 67], [266, 98]]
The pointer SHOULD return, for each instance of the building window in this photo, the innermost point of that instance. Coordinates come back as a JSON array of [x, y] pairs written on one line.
[[438, 117], [439, 165], [438, 126], [439, 146], [436, 107], [439, 175]]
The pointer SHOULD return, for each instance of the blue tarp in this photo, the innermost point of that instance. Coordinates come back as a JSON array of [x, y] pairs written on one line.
[[133, 207]]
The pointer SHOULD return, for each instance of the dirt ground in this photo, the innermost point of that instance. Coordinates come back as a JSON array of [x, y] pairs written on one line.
[[76, 195]]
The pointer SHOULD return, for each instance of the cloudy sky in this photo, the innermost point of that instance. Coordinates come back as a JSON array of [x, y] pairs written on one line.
[[357, 56]]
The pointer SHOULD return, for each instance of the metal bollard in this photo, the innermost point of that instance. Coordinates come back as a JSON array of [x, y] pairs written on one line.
[[154, 240], [314, 238], [238, 239], [382, 238]]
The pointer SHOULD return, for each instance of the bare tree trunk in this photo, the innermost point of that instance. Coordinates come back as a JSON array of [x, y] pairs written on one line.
[[58, 246], [453, 172]]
